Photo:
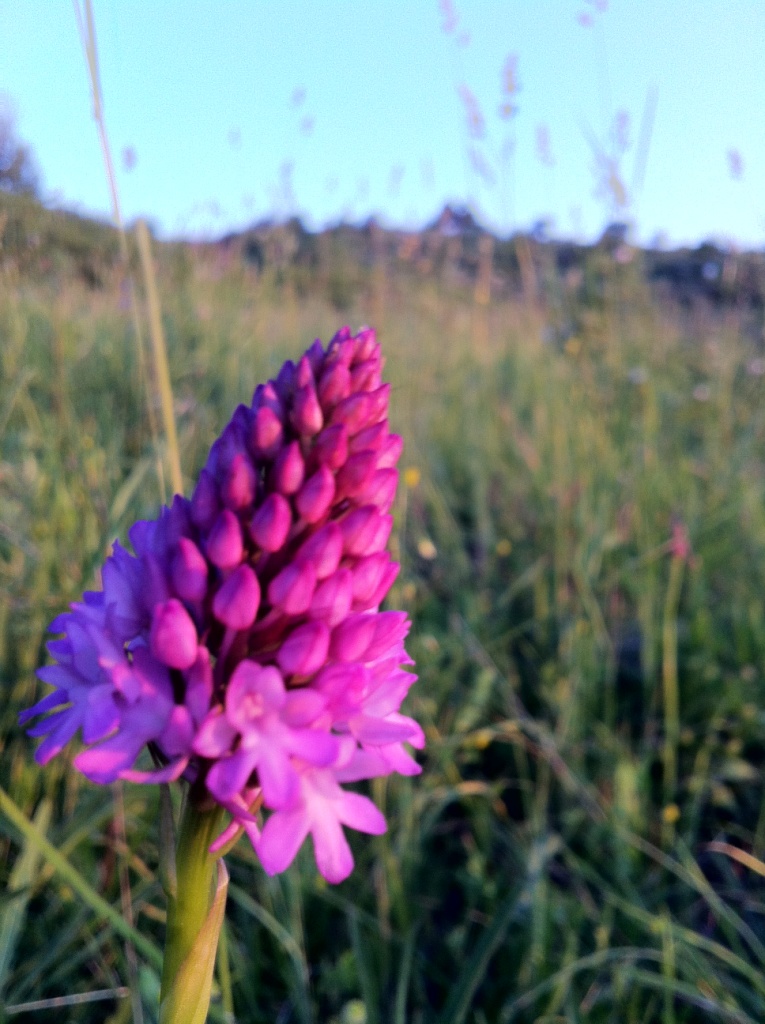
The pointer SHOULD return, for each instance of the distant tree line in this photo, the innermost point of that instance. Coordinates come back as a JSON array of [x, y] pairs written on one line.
[[18, 169]]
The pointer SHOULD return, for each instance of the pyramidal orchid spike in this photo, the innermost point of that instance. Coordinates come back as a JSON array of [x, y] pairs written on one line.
[[241, 643]]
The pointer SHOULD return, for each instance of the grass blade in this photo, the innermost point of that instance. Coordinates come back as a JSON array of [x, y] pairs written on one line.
[[21, 880], [71, 875]]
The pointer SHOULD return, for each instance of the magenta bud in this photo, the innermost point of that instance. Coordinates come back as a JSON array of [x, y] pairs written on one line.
[[305, 649], [373, 437], [316, 495], [307, 417], [366, 344], [353, 412], [292, 590], [331, 446], [271, 523], [366, 376], [333, 598], [304, 373], [386, 581], [356, 474], [315, 355], [239, 484], [289, 469], [381, 489], [334, 386], [266, 433], [368, 573], [236, 603], [204, 502], [189, 571], [390, 630], [360, 528], [285, 382], [378, 404], [224, 545], [173, 638], [323, 550], [352, 637], [391, 452]]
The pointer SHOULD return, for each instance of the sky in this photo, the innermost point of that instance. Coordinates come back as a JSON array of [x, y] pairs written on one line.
[[570, 112]]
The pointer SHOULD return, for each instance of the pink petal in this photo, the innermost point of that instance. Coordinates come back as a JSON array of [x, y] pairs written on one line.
[[378, 731], [281, 838], [215, 735], [303, 706], [359, 812], [333, 854]]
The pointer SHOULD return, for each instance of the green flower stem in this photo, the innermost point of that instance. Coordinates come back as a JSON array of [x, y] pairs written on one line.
[[188, 908]]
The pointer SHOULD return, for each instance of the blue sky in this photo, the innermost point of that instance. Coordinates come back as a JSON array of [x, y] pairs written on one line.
[[235, 110]]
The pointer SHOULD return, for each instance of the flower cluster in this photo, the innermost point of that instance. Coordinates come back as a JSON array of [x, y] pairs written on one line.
[[242, 642]]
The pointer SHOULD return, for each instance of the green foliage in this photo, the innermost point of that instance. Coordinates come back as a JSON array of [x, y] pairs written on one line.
[[544, 866]]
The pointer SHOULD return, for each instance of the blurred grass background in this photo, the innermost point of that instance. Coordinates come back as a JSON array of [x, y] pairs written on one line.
[[581, 528]]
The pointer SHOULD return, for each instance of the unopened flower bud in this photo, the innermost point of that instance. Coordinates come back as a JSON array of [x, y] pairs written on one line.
[[224, 545], [236, 603], [173, 637]]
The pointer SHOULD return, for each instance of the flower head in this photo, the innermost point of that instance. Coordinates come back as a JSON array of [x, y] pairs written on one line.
[[242, 641]]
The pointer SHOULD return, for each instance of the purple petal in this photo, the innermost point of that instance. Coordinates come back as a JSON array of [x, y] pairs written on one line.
[[178, 733], [101, 716], [50, 700]]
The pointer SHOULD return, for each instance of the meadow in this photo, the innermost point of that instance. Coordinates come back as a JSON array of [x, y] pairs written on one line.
[[581, 529]]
